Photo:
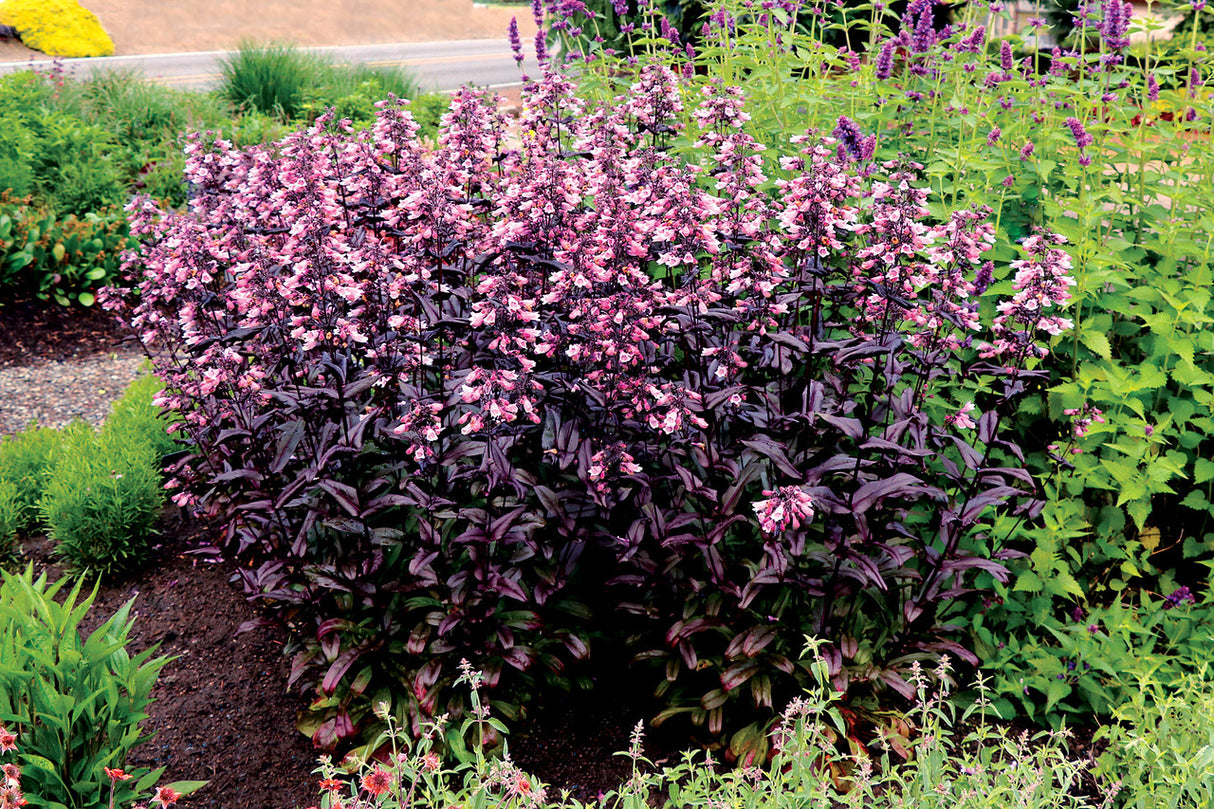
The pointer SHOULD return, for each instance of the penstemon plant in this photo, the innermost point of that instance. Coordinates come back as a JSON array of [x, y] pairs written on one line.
[[528, 392], [1098, 140]]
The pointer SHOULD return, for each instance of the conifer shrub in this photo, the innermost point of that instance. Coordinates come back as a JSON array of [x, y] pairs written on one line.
[[518, 401]]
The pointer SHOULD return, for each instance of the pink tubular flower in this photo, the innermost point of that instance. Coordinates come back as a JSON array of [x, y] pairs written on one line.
[[1043, 280], [8, 740], [962, 419], [786, 507], [1082, 418]]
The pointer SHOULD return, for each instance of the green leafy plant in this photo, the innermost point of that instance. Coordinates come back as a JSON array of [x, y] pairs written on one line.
[[135, 418], [102, 499], [1091, 661], [12, 516], [26, 460], [74, 703], [274, 79], [1161, 742], [983, 768], [61, 258]]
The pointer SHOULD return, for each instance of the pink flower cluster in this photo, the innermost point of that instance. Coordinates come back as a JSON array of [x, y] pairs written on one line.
[[1042, 282], [459, 289], [786, 507]]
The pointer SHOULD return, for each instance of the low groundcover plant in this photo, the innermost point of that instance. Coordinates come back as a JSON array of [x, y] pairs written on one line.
[[521, 395]]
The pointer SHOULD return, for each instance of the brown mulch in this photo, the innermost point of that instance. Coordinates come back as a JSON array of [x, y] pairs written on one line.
[[222, 712]]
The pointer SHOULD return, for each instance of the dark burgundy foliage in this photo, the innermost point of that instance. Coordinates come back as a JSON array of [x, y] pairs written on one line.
[[517, 399]]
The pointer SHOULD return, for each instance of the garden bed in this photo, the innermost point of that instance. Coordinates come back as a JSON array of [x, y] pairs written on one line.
[[222, 710]]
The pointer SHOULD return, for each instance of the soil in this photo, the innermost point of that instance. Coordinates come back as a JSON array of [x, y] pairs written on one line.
[[31, 331]]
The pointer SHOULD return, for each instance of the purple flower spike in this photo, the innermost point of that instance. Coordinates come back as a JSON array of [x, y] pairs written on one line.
[[885, 60], [1116, 22], [925, 32], [1082, 139], [541, 48], [1006, 61], [537, 12], [1152, 88], [1180, 596], [516, 44], [851, 140]]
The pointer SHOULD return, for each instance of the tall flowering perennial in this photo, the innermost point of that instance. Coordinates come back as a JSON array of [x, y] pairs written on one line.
[[437, 393]]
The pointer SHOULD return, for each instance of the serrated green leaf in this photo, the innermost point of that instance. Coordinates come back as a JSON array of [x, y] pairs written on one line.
[[1203, 470], [1098, 343], [1027, 582]]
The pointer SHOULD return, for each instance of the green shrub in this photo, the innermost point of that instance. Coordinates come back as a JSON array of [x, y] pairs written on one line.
[[1161, 746], [294, 85], [353, 90], [102, 500], [12, 516], [61, 258], [18, 147], [134, 419], [26, 460], [75, 168], [132, 108], [76, 703], [1091, 662]]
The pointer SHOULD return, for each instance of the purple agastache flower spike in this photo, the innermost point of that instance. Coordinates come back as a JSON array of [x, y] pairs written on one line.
[[1181, 596], [925, 31], [537, 12], [541, 49], [973, 42], [620, 7], [911, 17], [1026, 151], [993, 136], [1006, 61], [1152, 88], [1116, 22], [669, 33], [885, 60], [1082, 139], [851, 140], [516, 44]]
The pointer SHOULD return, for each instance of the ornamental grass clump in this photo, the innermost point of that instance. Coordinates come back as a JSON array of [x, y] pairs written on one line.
[[518, 399]]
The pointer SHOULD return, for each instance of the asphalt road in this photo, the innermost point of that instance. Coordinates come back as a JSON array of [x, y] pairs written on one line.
[[438, 65]]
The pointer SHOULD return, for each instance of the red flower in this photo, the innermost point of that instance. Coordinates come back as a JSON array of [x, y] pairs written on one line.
[[330, 785], [117, 775], [8, 741], [166, 796], [378, 781]]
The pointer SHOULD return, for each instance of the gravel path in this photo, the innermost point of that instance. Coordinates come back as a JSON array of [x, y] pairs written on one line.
[[56, 392]]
